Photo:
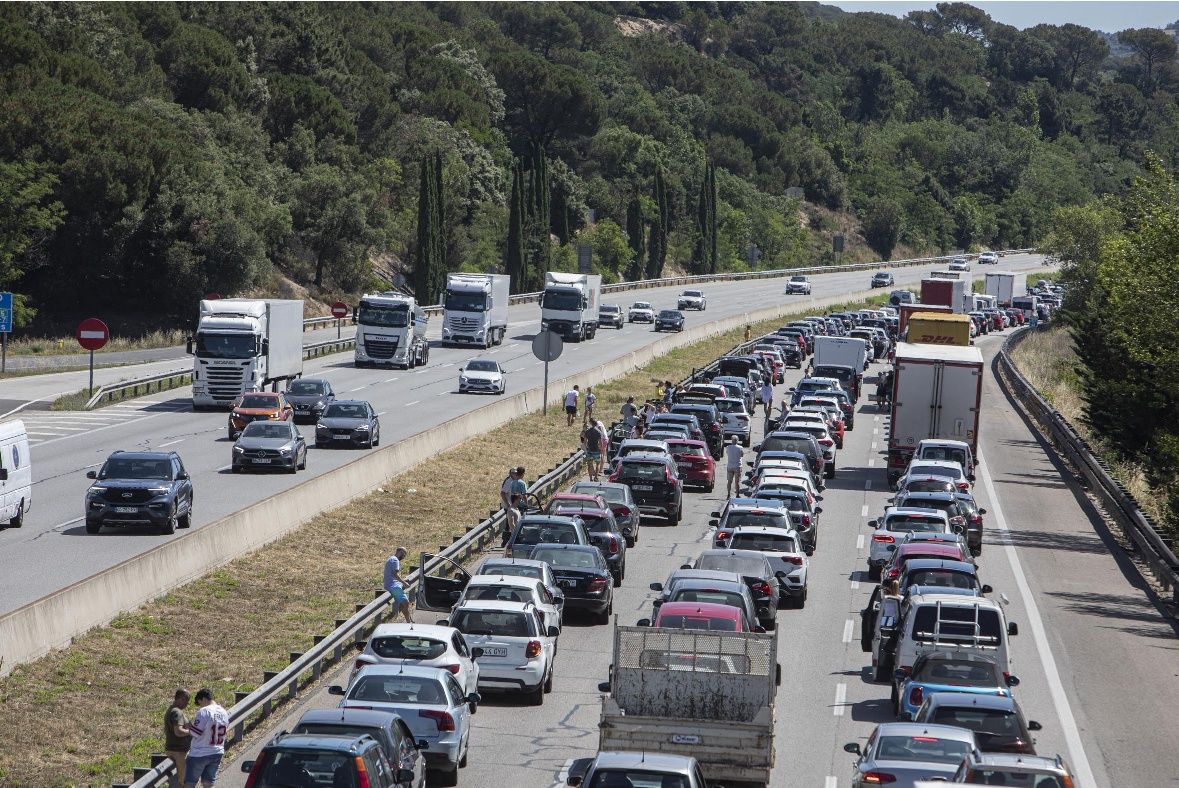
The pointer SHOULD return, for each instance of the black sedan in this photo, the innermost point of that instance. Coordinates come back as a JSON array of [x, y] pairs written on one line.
[[270, 444], [310, 398], [582, 574], [348, 422], [669, 320]]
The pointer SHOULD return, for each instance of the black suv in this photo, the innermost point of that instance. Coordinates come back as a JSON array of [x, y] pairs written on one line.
[[655, 483], [710, 422], [299, 759], [669, 320], [140, 488]]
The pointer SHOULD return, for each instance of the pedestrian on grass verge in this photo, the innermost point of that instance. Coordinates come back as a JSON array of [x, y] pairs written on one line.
[[571, 405], [177, 738], [629, 413], [395, 584], [208, 728], [733, 456], [590, 399], [591, 442]]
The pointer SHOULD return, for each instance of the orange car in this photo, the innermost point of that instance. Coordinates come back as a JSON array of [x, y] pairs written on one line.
[[258, 406]]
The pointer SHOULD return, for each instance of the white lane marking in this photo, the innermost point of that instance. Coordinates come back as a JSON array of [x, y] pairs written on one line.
[[1068, 723], [847, 630], [871, 462], [444, 366], [840, 699], [381, 413], [224, 468], [53, 434], [830, 782], [521, 369], [359, 388], [59, 526], [171, 443], [864, 510], [855, 585], [860, 542], [514, 344], [415, 402], [868, 482], [873, 445], [390, 380]]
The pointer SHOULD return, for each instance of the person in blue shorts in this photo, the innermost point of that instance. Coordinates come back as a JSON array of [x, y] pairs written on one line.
[[395, 584]]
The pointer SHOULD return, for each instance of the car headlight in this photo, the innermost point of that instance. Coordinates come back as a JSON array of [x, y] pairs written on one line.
[[362, 427], [238, 450], [159, 490], [96, 490], [321, 428], [284, 450], [462, 378]]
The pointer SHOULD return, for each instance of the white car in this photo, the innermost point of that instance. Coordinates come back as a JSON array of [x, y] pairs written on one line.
[[959, 264], [784, 550], [504, 588], [798, 285], [524, 567], [692, 299], [482, 374], [640, 312], [892, 527], [988, 258], [518, 648], [423, 645], [948, 468]]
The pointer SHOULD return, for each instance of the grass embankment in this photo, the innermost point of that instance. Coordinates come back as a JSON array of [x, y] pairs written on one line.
[[1049, 361], [91, 712], [78, 400], [67, 346]]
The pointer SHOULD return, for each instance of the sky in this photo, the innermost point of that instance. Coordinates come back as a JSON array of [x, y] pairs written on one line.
[[1109, 16]]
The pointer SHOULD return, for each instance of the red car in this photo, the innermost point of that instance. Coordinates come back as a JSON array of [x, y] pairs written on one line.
[[710, 616], [695, 464]]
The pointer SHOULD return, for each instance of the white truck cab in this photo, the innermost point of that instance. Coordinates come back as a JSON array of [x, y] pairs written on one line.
[[390, 330]]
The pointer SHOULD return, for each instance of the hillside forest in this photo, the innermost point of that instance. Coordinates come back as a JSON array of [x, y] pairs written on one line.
[[153, 152]]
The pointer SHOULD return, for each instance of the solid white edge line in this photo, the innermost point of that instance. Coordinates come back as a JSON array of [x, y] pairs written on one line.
[[1068, 723], [840, 699]]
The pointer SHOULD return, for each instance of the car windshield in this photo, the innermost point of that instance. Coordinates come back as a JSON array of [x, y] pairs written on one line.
[[568, 559], [957, 623], [635, 778], [226, 345], [957, 672], [929, 485], [943, 578], [498, 593], [989, 722], [742, 565], [306, 768], [921, 748], [944, 453], [641, 472], [987, 775], [463, 301], [482, 365], [513, 570], [730, 405], [609, 309], [304, 387], [124, 468], [669, 313], [503, 623], [562, 299], [773, 443], [799, 279], [771, 519], [384, 316], [407, 647], [258, 401], [921, 525], [598, 525], [609, 493], [692, 293], [697, 622], [640, 305], [686, 449], [949, 507], [263, 429], [715, 596], [398, 689], [536, 533], [345, 411], [936, 470], [764, 542]]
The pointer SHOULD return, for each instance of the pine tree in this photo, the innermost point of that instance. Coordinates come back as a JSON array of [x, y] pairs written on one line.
[[634, 233], [514, 254]]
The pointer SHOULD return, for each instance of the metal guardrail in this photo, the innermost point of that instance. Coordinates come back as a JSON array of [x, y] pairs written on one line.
[[1146, 535], [250, 708]]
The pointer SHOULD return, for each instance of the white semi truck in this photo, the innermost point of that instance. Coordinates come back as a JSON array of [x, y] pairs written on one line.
[[1005, 285], [390, 330], [569, 304], [244, 344], [475, 309]]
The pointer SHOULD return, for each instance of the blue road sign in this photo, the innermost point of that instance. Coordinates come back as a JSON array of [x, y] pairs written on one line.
[[5, 313]]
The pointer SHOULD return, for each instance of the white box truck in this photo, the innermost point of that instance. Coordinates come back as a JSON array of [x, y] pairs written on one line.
[[569, 304], [937, 392], [841, 352], [475, 309], [1005, 285], [390, 330], [244, 344], [700, 694]]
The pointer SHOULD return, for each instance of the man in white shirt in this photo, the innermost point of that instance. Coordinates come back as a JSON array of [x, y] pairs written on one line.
[[571, 405], [766, 393], [208, 729], [733, 456]]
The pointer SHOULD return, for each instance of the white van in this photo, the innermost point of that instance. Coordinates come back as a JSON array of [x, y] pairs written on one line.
[[943, 622], [16, 474]]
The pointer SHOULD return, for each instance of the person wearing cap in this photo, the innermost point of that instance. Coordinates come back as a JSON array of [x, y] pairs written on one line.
[[733, 456]]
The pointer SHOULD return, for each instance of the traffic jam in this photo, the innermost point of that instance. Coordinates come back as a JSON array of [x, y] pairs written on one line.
[[691, 695]]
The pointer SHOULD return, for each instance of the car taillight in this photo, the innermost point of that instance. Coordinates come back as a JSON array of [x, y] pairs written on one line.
[[883, 538], [793, 559], [533, 649], [722, 535], [878, 778], [614, 476], [976, 519], [442, 719], [597, 584], [893, 574], [612, 547], [764, 588], [259, 766], [621, 511], [963, 486], [714, 427], [806, 519], [362, 773], [826, 442], [667, 475], [453, 668], [916, 695]]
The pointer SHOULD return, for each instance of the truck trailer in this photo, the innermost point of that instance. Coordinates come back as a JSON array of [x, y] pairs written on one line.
[[244, 344], [934, 328], [946, 292], [905, 310], [1005, 285], [475, 309]]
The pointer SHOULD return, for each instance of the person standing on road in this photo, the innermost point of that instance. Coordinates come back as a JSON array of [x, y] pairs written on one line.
[[395, 584], [766, 395], [591, 442], [177, 737], [733, 456], [571, 405], [208, 728], [590, 399]]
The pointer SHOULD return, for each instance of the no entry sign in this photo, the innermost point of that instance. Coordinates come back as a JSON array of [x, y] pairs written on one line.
[[339, 309], [92, 333]]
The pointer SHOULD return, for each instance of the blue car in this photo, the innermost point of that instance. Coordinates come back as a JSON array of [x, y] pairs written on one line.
[[947, 672]]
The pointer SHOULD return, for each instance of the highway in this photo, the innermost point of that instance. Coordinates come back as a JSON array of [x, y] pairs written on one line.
[[1096, 658], [52, 550]]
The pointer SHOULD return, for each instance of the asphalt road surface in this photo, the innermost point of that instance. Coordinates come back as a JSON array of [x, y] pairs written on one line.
[[52, 550], [1096, 657]]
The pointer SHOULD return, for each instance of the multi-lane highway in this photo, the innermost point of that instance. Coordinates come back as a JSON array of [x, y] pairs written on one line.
[[1096, 658], [53, 550]]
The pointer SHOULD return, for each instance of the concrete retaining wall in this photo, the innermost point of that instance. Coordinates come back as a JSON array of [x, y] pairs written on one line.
[[54, 620]]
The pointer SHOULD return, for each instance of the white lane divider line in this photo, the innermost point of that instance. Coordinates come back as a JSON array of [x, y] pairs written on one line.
[[874, 445], [855, 585], [390, 380], [444, 366], [868, 482], [840, 699], [415, 402], [848, 626], [871, 462], [171, 443], [224, 468], [381, 413], [1068, 723], [860, 542], [864, 510], [359, 388], [521, 369], [830, 782]]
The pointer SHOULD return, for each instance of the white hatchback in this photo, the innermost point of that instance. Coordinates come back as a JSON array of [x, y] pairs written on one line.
[[503, 588], [426, 645], [518, 649]]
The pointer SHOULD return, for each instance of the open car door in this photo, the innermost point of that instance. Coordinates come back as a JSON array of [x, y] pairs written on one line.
[[437, 592]]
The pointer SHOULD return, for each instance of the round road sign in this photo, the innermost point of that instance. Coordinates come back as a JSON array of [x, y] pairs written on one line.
[[547, 346], [339, 309], [213, 296], [92, 333]]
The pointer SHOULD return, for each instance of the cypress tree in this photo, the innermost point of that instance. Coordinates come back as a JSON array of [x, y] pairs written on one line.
[[438, 230], [425, 245], [536, 221], [634, 233], [514, 253], [713, 262], [704, 252], [657, 239]]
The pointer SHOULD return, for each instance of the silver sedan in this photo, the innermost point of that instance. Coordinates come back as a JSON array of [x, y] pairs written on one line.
[[902, 753]]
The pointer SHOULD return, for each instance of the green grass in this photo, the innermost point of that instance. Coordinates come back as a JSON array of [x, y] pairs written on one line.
[[64, 346]]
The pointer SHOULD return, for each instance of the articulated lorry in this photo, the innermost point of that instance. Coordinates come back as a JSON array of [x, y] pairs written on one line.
[[946, 292], [569, 304], [244, 344], [935, 328], [475, 309], [390, 330], [1005, 285], [937, 393], [701, 694]]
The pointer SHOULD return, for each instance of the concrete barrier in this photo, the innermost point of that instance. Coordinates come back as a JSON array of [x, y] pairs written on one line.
[[54, 620]]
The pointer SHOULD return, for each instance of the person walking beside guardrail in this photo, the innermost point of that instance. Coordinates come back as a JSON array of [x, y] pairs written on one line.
[[395, 584], [591, 442], [177, 737], [209, 728], [571, 397], [765, 395]]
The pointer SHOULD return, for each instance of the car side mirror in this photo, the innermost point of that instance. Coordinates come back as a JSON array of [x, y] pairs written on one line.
[[970, 477], [905, 716], [89, 474], [180, 477], [757, 447], [1012, 681], [554, 632], [685, 566], [760, 630], [474, 697], [781, 575], [873, 524], [603, 686], [336, 689], [713, 523], [422, 744], [405, 776], [247, 766], [819, 509], [442, 622], [890, 548], [1012, 629], [3, 474], [986, 589], [643, 622], [899, 675], [982, 511], [853, 748], [656, 586], [1034, 726], [476, 652], [818, 497], [574, 779]]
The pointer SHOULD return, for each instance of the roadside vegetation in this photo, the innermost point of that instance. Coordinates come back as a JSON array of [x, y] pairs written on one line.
[[68, 346], [78, 400]]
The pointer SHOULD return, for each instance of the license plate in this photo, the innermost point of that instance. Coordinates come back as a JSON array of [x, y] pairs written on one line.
[[493, 651], [684, 466], [262, 460], [126, 509], [643, 487], [341, 437], [685, 738], [567, 583]]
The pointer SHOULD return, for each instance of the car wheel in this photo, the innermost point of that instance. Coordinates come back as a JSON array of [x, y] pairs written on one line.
[[294, 465], [186, 520], [536, 697], [463, 760], [93, 528], [231, 435], [604, 616], [447, 779], [169, 526], [800, 602], [830, 472], [710, 487], [377, 437], [618, 578], [548, 683], [303, 462], [19, 518]]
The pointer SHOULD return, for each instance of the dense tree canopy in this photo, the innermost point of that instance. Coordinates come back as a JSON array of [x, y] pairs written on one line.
[[188, 147]]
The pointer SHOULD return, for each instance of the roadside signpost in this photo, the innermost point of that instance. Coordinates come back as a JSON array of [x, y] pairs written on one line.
[[5, 328], [547, 346], [92, 335], [339, 312]]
